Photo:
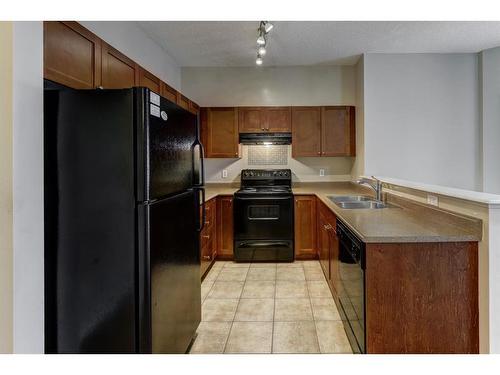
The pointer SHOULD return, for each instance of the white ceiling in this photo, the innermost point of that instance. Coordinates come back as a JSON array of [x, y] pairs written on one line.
[[220, 43]]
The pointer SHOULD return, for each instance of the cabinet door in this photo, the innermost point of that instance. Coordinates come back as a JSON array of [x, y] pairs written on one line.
[[278, 119], [168, 92], [334, 258], [149, 80], [208, 237], [118, 71], [251, 120], [225, 227], [71, 55], [193, 107], [324, 244], [182, 101], [305, 226], [338, 131], [306, 131], [219, 127]]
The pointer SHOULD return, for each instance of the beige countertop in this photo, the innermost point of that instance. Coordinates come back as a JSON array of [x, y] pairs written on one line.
[[404, 222]]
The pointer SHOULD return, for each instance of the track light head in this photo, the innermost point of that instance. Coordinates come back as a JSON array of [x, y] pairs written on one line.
[[262, 50], [268, 26]]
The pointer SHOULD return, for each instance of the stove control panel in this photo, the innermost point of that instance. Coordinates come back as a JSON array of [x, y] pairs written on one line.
[[266, 174]]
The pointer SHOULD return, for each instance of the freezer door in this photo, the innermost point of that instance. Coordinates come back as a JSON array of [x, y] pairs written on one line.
[[174, 266], [170, 134]]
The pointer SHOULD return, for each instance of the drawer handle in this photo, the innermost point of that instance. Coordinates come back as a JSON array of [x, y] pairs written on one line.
[[207, 222], [206, 236]]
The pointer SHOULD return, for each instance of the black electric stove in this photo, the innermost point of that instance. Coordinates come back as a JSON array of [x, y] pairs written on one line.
[[263, 216]]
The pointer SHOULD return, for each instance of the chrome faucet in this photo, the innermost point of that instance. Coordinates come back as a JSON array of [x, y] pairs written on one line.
[[374, 183]]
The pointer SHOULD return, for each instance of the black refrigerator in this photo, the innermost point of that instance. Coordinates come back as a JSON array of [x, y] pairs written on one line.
[[123, 196]]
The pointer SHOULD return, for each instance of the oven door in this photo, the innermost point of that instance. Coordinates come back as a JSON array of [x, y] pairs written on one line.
[[263, 218]]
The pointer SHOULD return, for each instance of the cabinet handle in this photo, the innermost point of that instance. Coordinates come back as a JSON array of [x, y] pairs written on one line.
[[206, 257], [206, 236], [262, 128], [319, 152], [207, 222]]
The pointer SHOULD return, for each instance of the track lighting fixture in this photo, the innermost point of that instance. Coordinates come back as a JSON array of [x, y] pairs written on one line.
[[264, 28]]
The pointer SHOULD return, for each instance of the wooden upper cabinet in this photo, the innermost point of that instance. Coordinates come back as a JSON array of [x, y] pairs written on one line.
[[182, 101], [219, 132], [72, 55], [264, 119], [278, 119], [305, 226], [168, 92], [338, 131], [225, 226], [306, 131], [193, 107], [149, 80], [250, 120], [118, 71]]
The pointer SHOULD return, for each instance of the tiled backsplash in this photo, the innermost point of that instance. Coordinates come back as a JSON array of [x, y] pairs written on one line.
[[303, 169], [268, 155]]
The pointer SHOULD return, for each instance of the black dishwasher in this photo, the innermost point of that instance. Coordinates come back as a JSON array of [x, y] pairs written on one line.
[[351, 292]]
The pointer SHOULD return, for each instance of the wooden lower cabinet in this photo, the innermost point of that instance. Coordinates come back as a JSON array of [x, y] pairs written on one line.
[[208, 237], [225, 227], [305, 227]]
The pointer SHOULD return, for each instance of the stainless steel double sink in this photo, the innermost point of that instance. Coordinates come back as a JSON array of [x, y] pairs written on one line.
[[353, 202]]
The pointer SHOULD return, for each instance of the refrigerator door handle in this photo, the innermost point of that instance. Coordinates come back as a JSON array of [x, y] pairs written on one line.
[[203, 208], [201, 164]]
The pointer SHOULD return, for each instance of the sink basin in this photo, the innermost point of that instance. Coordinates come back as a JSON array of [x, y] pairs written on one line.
[[349, 198], [362, 205]]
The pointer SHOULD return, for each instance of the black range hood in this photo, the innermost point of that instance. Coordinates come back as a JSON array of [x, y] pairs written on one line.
[[266, 138]]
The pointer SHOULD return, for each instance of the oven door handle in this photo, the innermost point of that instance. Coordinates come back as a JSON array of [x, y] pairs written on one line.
[[261, 198], [263, 244]]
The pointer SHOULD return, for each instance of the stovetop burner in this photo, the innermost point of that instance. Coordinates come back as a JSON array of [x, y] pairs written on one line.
[[266, 182]]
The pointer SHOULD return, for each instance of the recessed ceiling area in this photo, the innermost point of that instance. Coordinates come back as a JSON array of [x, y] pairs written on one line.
[[228, 43]]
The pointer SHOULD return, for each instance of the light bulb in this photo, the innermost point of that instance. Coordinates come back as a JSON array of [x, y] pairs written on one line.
[[259, 60], [260, 40], [269, 26], [262, 50]]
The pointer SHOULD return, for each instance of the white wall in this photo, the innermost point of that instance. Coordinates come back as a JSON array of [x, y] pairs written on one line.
[[304, 169], [248, 86], [358, 168], [6, 248], [421, 118], [28, 187], [131, 40], [490, 118]]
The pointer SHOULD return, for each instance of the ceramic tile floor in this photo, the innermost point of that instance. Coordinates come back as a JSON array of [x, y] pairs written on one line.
[[268, 308]]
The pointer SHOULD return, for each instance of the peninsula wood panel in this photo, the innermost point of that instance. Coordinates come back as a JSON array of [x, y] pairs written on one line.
[[118, 71], [338, 131], [422, 298], [305, 227], [225, 227], [219, 128], [72, 55], [306, 131]]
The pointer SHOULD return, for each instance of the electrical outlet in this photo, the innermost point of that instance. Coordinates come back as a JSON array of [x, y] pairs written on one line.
[[432, 200], [224, 173], [321, 172]]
